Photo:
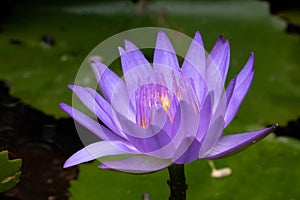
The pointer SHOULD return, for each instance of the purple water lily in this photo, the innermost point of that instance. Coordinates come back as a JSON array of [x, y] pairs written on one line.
[[161, 114]]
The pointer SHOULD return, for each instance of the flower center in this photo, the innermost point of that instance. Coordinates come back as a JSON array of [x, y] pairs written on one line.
[[152, 96]]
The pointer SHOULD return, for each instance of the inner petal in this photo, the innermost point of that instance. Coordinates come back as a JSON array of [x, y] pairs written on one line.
[[153, 96]]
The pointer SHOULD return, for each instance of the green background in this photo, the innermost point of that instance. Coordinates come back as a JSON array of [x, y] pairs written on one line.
[[39, 75]]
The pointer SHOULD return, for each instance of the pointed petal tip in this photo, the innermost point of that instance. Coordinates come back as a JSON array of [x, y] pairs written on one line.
[[198, 38], [121, 51], [221, 38], [71, 86], [129, 46], [234, 143], [161, 36], [95, 61], [67, 165], [197, 34], [70, 162], [226, 44], [62, 105], [161, 32]]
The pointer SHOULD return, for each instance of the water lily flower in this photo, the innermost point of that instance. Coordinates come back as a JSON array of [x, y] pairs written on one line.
[[161, 114]]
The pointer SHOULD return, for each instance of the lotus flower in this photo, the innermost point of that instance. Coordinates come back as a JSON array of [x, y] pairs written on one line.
[[161, 114]]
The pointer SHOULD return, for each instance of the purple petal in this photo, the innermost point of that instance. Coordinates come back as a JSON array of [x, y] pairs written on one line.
[[164, 54], [215, 84], [219, 43], [113, 89], [137, 164], [99, 150], [220, 60], [132, 58], [88, 97], [186, 122], [230, 89], [237, 90], [230, 144], [205, 118], [212, 136], [91, 124], [194, 66], [191, 154], [195, 58], [146, 139], [188, 149], [247, 70], [136, 69], [107, 79]]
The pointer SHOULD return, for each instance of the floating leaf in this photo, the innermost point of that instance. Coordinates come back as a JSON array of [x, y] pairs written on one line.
[[9, 171]]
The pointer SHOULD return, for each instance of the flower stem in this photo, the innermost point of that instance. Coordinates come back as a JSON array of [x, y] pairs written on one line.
[[177, 183]]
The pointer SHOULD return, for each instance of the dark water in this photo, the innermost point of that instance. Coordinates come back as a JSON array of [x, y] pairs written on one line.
[[43, 143]]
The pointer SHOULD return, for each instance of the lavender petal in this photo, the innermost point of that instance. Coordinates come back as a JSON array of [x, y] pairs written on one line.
[[137, 164], [230, 144]]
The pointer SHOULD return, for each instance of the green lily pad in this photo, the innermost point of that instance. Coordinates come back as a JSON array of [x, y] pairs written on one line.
[[9, 171], [267, 170]]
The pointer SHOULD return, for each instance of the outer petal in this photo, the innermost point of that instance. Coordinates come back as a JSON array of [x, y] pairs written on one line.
[[230, 144], [164, 54], [165, 63], [219, 43], [194, 66], [205, 118], [89, 123], [99, 150], [113, 88], [88, 97], [195, 57], [146, 139], [132, 57], [212, 136], [137, 164], [220, 60], [192, 153], [237, 90], [215, 85], [185, 124], [244, 73], [136, 68], [194, 144], [107, 79]]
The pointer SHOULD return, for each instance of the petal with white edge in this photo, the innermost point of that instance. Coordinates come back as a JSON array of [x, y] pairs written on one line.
[[99, 150], [146, 139], [230, 144], [137, 164], [106, 79], [164, 54], [195, 58], [90, 123], [88, 97], [237, 90]]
